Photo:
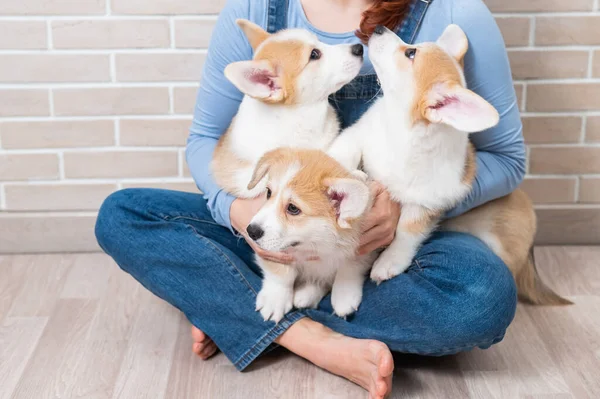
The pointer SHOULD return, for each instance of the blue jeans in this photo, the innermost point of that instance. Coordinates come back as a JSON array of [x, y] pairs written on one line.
[[457, 294]]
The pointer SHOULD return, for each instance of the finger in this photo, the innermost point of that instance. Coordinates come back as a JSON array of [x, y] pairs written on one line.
[[370, 247], [375, 234], [277, 257], [208, 351]]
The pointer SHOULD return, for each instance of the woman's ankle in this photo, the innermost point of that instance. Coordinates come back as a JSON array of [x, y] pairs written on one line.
[[302, 332]]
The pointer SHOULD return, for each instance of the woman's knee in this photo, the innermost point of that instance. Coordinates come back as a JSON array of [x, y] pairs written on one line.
[[482, 302], [115, 217]]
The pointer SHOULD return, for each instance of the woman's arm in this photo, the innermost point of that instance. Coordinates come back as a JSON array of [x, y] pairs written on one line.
[[217, 103], [501, 155]]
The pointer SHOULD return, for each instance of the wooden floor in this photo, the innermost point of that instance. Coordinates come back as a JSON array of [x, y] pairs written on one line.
[[75, 326]]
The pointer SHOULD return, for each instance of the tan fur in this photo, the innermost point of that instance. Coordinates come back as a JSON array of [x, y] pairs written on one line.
[[470, 166], [422, 224], [309, 186], [225, 163], [255, 34], [432, 65], [288, 58], [508, 225]]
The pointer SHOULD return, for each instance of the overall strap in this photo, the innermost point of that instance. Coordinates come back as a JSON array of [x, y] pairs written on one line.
[[277, 15], [410, 26]]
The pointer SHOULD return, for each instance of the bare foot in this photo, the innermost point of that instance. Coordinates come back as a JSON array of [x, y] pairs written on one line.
[[365, 362], [203, 346]]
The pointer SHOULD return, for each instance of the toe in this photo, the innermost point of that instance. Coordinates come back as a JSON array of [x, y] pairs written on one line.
[[198, 335], [385, 363], [197, 348]]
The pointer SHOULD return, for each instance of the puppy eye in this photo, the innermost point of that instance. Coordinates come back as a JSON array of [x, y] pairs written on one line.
[[315, 55], [269, 193], [293, 210], [410, 53]]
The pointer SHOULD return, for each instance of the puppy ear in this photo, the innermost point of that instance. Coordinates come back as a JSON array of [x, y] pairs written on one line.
[[454, 42], [254, 33], [349, 197], [261, 169], [460, 108], [257, 79]]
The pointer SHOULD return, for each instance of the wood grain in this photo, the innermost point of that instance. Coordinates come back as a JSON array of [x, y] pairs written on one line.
[[76, 326]]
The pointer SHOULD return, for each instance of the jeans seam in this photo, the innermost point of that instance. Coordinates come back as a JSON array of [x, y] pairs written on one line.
[[177, 217], [224, 256], [267, 339]]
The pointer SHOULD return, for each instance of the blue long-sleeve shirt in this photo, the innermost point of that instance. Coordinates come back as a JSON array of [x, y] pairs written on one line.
[[500, 151]]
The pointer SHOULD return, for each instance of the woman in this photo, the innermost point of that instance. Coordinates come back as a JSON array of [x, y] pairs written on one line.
[[183, 247]]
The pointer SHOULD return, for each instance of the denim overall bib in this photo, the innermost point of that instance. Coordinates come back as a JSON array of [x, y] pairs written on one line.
[[353, 100]]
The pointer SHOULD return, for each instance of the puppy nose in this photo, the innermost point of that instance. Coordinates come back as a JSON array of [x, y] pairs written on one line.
[[357, 50], [255, 231], [379, 30]]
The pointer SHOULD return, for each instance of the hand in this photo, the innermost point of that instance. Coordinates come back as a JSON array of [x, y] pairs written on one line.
[[241, 213], [379, 225]]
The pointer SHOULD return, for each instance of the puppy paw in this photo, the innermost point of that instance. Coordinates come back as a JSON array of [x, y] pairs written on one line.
[[345, 300], [360, 174], [308, 296], [387, 267], [274, 302]]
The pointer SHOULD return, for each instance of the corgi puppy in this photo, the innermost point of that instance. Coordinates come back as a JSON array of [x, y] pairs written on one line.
[[414, 140], [286, 87], [313, 211]]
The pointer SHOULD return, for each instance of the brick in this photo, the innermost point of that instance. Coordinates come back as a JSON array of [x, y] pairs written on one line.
[[519, 89], [515, 30], [24, 103], [539, 5], [159, 67], [189, 187], [27, 233], [564, 160], [56, 134], [152, 132], [552, 129], [116, 164], [592, 131], [596, 64], [563, 97], [23, 35], [193, 33], [101, 34], [111, 101], [548, 64], [184, 99], [550, 191], [554, 31], [589, 190], [570, 225], [52, 7], [32, 68], [28, 166], [145, 7], [64, 197]]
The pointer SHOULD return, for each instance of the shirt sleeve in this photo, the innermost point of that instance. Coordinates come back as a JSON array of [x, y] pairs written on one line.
[[216, 105], [501, 155]]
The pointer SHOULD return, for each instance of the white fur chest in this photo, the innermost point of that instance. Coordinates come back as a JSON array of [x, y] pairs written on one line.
[[260, 128], [422, 164]]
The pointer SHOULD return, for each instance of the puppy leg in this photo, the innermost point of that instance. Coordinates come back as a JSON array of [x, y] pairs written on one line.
[[346, 293], [308, 295], [277, 293], [346, 149], [415, 225]]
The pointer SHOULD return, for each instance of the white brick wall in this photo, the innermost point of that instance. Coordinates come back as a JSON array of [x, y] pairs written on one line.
[[97, 95]]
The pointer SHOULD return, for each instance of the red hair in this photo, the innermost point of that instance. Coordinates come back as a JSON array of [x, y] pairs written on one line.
[[389, 13]]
